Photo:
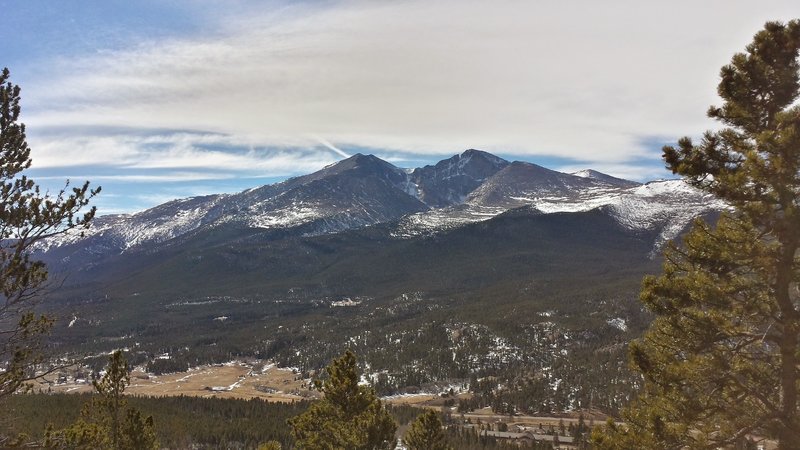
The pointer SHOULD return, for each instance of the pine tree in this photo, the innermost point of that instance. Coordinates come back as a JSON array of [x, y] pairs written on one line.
[[105, 421], [720, 360], [108, 407], [349, 416], [26, 217], [138, 432], [426, 433], [579, 433]]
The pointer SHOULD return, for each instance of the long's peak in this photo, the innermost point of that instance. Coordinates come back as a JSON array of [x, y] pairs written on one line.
[[480, 154], [476, 152]]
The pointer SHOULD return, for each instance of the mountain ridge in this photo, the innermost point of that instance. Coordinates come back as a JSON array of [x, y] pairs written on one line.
[[364, 190]]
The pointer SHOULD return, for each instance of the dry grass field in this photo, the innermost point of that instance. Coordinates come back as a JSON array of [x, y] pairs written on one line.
[[262, 379], [232, 380]]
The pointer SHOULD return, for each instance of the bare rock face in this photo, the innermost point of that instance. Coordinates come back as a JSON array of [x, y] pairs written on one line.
[[450, 181]]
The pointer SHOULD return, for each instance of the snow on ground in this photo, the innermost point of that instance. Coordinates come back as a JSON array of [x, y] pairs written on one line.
[[618, 323]]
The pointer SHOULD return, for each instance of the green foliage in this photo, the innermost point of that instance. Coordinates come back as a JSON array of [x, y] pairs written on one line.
[[720, 361], [102, 424], [137, 432], [349, 416], [619, 437], [26, 217], [426, 433], [108, 406], [80, 435], [472, 439], [180, 422]]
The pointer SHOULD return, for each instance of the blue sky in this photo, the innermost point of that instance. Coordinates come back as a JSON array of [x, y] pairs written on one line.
[[155, 100]]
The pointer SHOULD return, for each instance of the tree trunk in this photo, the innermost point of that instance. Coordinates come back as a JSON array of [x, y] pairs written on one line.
[[789, 435]]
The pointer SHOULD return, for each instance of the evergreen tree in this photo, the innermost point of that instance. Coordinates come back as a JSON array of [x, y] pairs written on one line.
[[105, 422], [720, 360], [349, 416], [426, 433], [137, 432], [111, 402], [26, 217], [579, 433]]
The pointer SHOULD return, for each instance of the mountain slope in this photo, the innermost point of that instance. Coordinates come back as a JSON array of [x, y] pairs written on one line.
[[595, 175], [450, 181], [363, 191], [358, 191], [520, 183]]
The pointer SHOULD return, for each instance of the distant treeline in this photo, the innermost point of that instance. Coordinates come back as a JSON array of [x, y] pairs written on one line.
[[196, 422], [180, 421]]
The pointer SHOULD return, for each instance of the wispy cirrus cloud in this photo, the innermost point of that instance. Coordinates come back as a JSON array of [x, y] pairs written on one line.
[[140, 170], [286, 88], [528, 77], [174, 151]]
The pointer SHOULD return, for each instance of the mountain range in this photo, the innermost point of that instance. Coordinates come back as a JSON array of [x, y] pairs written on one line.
[[364, 190], [474, 266]]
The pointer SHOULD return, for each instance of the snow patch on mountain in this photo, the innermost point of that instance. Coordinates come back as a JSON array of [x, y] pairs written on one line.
[[586, 173], [578, 201], [154, 225], [293, 215], [181, 222], [411, 188], [75, 235], [442, 219], [670, 204]]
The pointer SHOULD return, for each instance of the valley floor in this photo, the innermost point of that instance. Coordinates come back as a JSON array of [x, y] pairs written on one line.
[[231, 380], [264, 380]]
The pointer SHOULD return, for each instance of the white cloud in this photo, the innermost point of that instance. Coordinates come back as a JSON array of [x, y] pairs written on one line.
[[169, 177], [335, 149], [174, 151], [581, 80]]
